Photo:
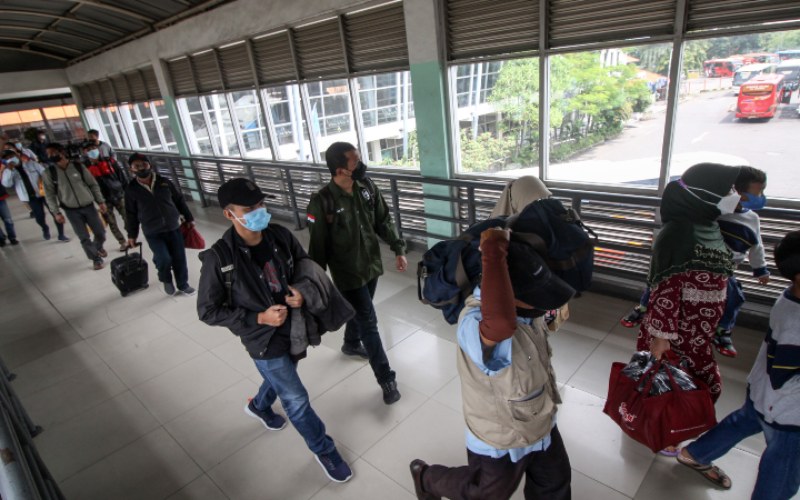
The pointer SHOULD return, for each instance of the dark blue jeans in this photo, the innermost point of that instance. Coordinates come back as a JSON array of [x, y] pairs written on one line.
[[281, 381], [779, 468], [169, 256], [5, 214], [39, 209], [733, 303], [364, 327]]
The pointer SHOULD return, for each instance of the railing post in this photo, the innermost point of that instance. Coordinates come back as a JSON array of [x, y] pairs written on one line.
[[199, 182], [287, 172], [576, 204], [396, 206], [220, 171], [471, 211]]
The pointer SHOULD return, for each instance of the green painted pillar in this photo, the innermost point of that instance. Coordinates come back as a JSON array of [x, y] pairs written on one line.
[[167, 95], [429, 85]]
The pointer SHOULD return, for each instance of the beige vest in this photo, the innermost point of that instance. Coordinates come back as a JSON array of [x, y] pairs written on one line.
[[513, 408]]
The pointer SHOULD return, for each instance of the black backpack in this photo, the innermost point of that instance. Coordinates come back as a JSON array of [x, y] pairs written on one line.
[[450, 269]]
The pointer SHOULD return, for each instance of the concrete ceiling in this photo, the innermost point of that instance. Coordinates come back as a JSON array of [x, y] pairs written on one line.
[[47, 34]]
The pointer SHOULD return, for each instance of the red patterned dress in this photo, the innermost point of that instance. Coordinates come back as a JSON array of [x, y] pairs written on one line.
[[685, 309]]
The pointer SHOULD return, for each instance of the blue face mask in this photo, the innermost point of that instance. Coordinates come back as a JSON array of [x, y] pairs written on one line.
[[754, 202], [255, 221], [93, 154]]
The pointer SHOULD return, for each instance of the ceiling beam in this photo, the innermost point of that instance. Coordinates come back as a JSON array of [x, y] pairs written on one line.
[[67, 18], [28, 41], [29, 51], [113, 8], [50, 31]]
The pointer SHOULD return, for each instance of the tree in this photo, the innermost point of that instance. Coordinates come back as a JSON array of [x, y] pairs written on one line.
[[484, 153], [783, 40]]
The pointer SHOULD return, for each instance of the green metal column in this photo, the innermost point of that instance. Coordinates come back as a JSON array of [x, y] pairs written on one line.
[[429, 85]]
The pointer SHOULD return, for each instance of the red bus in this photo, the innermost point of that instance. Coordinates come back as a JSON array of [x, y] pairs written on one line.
[[759, 57], [714, 68], [759, 98]]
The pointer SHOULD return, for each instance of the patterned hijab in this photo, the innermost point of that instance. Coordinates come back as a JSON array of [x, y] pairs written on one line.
[[690, 238]]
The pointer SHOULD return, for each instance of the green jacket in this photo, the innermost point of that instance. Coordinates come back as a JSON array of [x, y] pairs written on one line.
[[75, 187], [349, 244]]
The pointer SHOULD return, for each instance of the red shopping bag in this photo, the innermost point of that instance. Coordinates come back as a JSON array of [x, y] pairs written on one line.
[[661, 420], [192, 237]]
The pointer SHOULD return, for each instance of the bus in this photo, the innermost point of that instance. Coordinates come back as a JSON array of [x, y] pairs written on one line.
[[789, 54], [717, 68], [759, 57], [750, 71], [790, 69], [759, 98]]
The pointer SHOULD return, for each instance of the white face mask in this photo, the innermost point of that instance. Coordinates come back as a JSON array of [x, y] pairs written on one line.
[[726, 205]]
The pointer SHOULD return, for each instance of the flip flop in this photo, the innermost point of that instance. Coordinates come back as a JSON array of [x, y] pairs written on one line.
[[669, 453], [721, 480]]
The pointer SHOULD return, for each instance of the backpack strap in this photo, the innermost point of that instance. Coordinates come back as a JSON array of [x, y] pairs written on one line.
[[51, 169], [328, 204], [226, 266]]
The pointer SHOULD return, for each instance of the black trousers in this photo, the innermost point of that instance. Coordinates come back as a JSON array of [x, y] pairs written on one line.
[[364, 327], [547, 476]]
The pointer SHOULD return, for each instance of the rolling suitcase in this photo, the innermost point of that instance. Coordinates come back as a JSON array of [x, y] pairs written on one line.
[[129, 272]]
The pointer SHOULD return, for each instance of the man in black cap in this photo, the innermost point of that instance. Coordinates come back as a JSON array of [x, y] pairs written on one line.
[[507, 383], [155, 203], [246, 285]]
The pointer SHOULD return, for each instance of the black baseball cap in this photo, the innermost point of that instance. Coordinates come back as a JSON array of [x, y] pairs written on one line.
[[532, 281], [239, 191], [136, 157]]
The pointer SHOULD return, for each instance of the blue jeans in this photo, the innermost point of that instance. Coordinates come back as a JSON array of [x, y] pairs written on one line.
[[281, 381], [733, 303], [5, 214], [645, 297], [169, 255], [779, 469], [364, 327]]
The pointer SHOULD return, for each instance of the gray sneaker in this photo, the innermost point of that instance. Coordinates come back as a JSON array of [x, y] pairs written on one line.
[[169, 289], [188, 290]]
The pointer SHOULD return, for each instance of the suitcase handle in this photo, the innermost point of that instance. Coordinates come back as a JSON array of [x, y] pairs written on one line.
[[140, 250]]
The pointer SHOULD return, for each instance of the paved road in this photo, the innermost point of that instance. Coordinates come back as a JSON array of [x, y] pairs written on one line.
[[706, 129]]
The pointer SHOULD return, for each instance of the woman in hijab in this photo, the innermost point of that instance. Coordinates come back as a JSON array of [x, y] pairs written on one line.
[[689, 271], [518, 194]]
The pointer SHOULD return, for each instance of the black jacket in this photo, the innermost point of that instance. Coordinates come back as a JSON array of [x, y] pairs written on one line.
[[158, 211], [250, 295]]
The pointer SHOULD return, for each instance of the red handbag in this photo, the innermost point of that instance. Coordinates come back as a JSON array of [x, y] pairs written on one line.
[[192, 237], [662, 420]]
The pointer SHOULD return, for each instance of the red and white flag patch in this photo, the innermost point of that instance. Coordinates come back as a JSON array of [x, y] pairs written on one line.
[[311, 218]]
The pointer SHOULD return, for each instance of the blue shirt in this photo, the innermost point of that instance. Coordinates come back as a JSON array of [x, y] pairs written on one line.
[[469, 339]]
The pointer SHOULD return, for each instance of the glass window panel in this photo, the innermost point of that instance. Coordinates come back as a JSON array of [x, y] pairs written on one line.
[[220, 125], [250, 121], [160, 109], [722, 122], [387, 119], [329, 105], [195, 125], [61, 130], [606, 119]]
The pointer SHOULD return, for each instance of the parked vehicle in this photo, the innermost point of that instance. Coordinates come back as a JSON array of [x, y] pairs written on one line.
[[789, 54], [760, 97], [716, 68], [759, 57], [750, 71], [790, 69]]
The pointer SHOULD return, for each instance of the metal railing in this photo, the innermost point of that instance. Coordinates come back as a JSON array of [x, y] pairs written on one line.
[[625, 223], [23, 474]]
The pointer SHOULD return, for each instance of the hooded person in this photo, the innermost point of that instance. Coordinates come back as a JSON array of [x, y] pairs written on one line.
[[689, 271], [508, 385], [518, 194]]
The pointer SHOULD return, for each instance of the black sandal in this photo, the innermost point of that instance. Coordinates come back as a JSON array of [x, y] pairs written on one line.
[[721, 480]]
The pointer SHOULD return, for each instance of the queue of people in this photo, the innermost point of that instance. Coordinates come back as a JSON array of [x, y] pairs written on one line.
[[259, 282]]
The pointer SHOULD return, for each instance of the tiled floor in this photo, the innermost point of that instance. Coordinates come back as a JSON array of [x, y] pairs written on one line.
[[141, 400]]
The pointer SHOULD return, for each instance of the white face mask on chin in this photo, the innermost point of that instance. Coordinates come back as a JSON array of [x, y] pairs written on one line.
[[726, 205]]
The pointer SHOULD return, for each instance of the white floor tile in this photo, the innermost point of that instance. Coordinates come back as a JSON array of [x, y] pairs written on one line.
[[424, 362], [218, 427], [202, 488], [54, 367], [152, 467], [186, 386], [367, 482], [70, 446], [324, 368], [354, 412]]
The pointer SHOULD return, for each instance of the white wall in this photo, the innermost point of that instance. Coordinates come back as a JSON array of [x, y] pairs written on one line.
[[23, 84]]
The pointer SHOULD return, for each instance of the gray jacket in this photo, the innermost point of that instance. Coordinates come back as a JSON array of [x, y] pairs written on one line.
[[324, 308], [76, 188]]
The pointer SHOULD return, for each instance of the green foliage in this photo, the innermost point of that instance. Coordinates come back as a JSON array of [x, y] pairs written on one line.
[[484, 153], [411, 159], [784, 40]]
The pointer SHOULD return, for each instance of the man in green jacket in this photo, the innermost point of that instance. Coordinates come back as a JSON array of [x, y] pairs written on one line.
[[71, 191], [345, 219]]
